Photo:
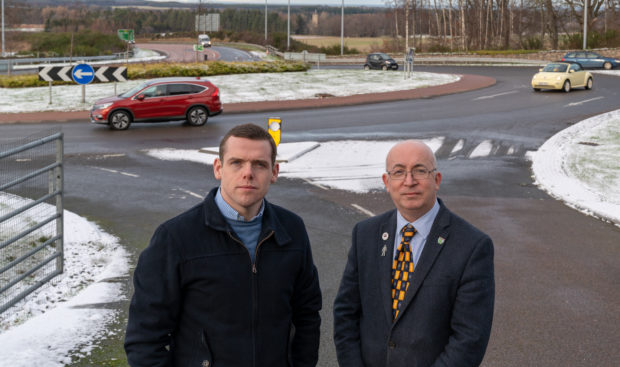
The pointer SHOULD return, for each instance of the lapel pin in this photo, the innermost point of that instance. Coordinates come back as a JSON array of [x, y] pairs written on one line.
[[383, 250], [385, 236], [441, 240]]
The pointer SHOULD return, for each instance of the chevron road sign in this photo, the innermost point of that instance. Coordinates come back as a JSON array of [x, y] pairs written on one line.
[[51, 73], [111, 74], [65, 73]]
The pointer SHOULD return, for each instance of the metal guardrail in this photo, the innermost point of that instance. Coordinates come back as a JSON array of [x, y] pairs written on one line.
[[8, 65], [31, 216]]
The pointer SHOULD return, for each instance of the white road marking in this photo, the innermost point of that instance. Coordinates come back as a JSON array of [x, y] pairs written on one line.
[[192, 193], [115, 171], [315, 184], [363, 210], [458, 146], [496, 95], [482, 150], [582, 102]]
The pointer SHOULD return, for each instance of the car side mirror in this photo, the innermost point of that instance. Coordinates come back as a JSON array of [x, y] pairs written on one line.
[[571, 71], [140, 97]]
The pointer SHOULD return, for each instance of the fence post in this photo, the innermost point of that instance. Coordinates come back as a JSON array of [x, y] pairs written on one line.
[[59, 202]]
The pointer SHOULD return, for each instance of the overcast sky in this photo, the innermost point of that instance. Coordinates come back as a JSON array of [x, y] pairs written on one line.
[[292, 2]]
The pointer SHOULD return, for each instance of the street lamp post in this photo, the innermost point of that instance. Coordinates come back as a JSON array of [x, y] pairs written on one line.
[[288, 27], [265, 22], [2, 28], [585, 24], [342, 30]]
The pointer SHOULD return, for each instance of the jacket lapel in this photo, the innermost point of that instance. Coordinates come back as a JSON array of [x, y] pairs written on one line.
[[433, 246], [385, 253]]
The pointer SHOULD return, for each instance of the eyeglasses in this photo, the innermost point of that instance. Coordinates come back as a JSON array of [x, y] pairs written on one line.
[[417, 173]]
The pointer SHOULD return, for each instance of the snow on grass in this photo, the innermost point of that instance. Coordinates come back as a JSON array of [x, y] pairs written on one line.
[[233, 88], [581, 166], [69, 312]]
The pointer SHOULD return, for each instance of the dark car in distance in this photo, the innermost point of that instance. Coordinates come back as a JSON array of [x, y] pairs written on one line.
[[380, 60], [164, 99], [591, 60]]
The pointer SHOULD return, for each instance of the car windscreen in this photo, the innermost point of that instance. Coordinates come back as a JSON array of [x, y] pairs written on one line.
[[132, 91], [555, 68]]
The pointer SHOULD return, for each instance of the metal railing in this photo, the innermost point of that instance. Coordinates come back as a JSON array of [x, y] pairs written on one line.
[[31, 216]]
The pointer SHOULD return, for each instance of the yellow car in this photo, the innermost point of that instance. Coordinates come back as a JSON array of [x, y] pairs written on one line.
[[562, 75]]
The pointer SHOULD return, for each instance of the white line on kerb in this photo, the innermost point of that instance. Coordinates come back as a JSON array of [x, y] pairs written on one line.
[[496, 95], [363, 210], [582, 102]]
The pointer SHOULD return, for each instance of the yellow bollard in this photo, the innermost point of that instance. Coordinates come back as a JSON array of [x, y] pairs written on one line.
[[274, 124]]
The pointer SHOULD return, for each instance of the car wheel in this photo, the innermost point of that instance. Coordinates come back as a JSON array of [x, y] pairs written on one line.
[[607, 65], [589, 83], [384, 68], [197, 116], [566, 86], [119, 120], [366, 67]]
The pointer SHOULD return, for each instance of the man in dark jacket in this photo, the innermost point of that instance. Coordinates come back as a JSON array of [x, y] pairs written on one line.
[[418, 288], [230, 282]]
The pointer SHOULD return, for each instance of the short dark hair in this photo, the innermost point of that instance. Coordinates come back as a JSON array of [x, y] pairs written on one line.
[[252, 132]]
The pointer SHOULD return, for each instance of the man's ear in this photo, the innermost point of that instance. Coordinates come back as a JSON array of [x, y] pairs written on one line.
[[217, 168], [385, 182], [275, 170]]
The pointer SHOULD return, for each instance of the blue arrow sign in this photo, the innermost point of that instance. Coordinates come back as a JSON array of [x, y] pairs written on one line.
[[83, 73]]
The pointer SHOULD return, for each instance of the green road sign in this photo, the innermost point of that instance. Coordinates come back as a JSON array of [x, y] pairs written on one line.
[[125, 34], [198, 48]]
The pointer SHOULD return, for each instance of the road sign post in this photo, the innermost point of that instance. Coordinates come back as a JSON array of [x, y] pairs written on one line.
[[83, 74]]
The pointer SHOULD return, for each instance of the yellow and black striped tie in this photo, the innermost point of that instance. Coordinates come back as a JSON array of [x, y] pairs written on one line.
[[402, 268]]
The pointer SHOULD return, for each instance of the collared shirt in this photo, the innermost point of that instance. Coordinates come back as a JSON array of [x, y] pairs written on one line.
[[229, 212], [423, 228], [248, 231]]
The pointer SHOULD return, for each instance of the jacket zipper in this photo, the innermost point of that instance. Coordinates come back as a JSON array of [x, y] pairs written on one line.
[[254, 286]]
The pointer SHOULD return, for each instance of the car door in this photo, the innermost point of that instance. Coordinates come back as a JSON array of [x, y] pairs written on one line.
[[581, 58], [151, 106], [375, 61], [594, 60], [577, 76], [177, 99]]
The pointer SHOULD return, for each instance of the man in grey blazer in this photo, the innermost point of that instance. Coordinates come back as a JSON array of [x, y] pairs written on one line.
[[439, 311]]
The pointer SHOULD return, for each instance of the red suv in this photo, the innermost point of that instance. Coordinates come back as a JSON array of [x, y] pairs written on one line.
[[165, 99]]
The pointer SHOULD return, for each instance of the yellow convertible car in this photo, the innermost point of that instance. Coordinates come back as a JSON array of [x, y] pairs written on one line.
[[562, 75]]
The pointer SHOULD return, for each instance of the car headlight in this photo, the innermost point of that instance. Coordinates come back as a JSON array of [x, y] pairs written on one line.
[[101, 106]]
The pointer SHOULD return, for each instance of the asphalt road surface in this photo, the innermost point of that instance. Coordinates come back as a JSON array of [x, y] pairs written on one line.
[[184, 52], [557, 270]]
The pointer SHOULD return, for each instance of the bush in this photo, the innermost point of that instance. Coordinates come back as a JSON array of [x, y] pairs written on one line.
[[532, 43], [610, 38], [85, 43], [161, 70]]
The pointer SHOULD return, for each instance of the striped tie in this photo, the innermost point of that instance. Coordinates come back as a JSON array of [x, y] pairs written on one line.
[[402, 268]]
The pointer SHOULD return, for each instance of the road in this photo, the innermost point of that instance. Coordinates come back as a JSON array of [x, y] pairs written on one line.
[[556, 269], [184, 52]]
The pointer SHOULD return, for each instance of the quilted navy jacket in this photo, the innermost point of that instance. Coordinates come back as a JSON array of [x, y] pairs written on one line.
[[200, 301]]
